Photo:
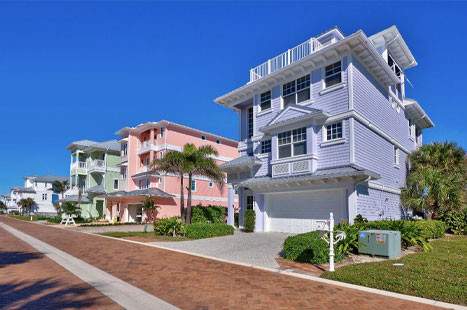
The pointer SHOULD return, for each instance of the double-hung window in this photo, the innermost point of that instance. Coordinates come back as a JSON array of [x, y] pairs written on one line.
[[334, 131], [292, 143], [193, 185], [396, 155], [265, 146], [332, 75], [296, 91], [250, 122], [265, 101]]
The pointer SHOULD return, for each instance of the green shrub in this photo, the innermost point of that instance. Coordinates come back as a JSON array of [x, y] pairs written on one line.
[[171, 226], [208, 214], [431, 229], [249, 221], [306, 248], [204, 230], [456, 221], [350, 243], [359, 219]]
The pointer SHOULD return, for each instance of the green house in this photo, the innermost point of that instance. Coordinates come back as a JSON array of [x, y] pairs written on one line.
[[94, 172]]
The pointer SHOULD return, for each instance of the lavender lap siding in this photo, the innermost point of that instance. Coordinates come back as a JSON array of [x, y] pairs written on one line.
[[376, 205]]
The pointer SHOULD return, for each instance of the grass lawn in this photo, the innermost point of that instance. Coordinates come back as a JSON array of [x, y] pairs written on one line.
[[440, 274], [142, 236]]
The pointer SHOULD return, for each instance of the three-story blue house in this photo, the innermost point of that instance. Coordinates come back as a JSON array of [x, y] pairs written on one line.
[[326, 127]]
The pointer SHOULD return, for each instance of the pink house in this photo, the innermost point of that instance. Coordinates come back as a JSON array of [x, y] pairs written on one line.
[[139, 146]]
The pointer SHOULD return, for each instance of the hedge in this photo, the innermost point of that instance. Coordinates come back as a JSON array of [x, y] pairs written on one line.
[[208, 214], [204, 230], [306, 248], [171, 226], [249, 221], [431, 229]]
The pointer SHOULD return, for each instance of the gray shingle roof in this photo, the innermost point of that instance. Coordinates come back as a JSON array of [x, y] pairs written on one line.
[[242, 161], [48, 178], [98, 189], [342, 171], [22, 189], [86, 145], [153, 192], [74, 198]]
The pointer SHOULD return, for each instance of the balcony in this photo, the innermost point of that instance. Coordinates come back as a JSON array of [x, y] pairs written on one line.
[[96, 165], [146, 146], [79, 167], [286, 58]]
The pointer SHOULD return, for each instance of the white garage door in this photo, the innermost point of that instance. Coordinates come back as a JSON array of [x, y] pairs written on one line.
[[293, 212]]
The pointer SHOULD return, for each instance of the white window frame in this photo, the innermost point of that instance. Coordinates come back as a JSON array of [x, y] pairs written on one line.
[[261, 101], [325, 86], [261, 146], [295, 94], [292, 142], [193, 188], [113, 184], [325, 132], [250, 128], [44, 196], [396, 155]]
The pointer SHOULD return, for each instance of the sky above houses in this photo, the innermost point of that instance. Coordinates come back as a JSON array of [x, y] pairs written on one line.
[[71, 71]]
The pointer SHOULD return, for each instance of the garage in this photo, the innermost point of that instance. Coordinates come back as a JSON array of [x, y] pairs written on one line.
[[294, 212]]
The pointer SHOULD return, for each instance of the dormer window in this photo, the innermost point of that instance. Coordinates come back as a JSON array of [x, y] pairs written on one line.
[[292, 143], [265, 101], [333, 74], [296, 91]]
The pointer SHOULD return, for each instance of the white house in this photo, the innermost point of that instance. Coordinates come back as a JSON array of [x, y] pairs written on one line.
[[39, 188]]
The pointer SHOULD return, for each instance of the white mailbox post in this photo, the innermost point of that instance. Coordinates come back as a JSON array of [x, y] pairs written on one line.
[[331, 240]]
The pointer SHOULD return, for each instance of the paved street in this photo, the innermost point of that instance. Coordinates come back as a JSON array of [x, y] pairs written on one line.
[[190, 282], [258, 249], [30, 280]]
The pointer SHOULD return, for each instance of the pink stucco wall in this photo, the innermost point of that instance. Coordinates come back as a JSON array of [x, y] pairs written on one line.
[[174, 136]]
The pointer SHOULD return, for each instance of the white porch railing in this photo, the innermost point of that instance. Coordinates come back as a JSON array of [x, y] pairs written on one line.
[[286, 58], [97, 165]]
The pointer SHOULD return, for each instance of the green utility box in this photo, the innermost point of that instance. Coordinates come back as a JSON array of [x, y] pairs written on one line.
[[380, 242]]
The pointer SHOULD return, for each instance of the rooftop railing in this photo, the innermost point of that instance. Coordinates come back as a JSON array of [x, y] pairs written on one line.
[[286, 58]]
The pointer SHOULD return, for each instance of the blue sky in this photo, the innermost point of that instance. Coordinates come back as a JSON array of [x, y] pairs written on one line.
[[72, 70]]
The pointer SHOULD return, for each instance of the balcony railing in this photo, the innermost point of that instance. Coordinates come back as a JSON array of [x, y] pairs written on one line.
[[96, 165], [82, 165], [283, 60], [147, 146]]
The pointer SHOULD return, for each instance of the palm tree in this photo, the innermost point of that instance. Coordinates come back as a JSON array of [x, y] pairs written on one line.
[[26, 204], [60, 187], [199, 162], [173, 162], [436, 179]]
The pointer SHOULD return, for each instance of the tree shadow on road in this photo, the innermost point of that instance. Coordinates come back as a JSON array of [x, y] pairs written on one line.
[[46, 294], [13, 258]]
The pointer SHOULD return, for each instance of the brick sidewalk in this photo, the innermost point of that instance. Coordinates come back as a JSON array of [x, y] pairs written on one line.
[[30, 280], [191, 282]]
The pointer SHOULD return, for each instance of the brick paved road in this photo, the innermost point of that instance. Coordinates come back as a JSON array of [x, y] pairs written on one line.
[[192, 282], [30, 280]]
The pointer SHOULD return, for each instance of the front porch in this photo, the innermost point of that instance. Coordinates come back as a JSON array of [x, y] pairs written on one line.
[[128, 206]]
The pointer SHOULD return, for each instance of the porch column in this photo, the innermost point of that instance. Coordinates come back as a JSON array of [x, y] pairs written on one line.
[[230, 205], [259, 211]]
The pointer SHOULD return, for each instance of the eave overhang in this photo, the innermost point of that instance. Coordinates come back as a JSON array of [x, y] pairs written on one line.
[[148, 192], [358, 44], [416, 113], [323, 176], [243, 163], [396, 46]]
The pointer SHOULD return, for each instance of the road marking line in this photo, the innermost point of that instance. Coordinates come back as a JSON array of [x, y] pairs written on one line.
[[121, 292]]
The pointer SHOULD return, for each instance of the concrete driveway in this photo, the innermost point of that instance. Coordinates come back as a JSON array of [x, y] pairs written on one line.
[[259, 249]]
